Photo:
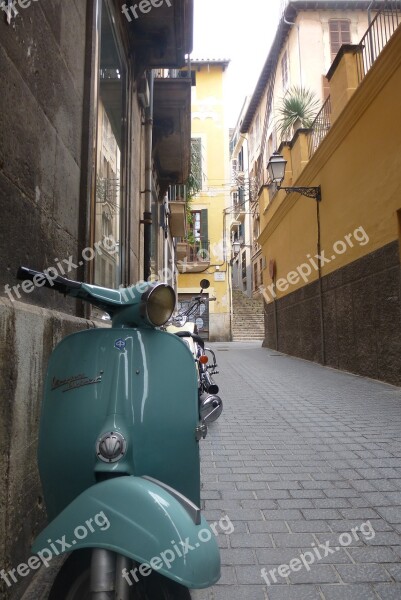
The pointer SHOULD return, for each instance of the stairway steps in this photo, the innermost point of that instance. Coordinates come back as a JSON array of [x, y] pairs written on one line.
[[248, 318]]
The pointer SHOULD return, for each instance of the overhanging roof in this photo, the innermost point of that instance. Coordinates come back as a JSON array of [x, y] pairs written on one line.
[[163, 36]]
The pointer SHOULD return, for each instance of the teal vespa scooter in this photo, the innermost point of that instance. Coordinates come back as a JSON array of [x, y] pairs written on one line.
[[119, 453]]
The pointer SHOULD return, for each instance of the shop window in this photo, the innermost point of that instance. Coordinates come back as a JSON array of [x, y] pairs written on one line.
[[109, 154]]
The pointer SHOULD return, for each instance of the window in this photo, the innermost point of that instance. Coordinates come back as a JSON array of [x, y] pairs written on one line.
[[243, 266], [196, 163], [109, 156], [284, 70], [198, 232], [340, 34]]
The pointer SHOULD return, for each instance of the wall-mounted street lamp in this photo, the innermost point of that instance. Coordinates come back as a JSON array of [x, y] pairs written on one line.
[[276, 171], [237, 245]]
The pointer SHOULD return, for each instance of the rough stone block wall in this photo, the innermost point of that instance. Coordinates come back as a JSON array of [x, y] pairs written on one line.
[[27, 337], [42, 60], [362, 318]]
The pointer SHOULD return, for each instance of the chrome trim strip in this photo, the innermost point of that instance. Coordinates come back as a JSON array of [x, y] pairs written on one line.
[[191, 508]]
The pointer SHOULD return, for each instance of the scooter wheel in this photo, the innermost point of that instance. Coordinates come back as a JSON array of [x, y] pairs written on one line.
[[73, 583]]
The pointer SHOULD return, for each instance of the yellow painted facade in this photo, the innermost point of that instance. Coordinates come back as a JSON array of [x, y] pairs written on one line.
[[208, 124], [358, 167]]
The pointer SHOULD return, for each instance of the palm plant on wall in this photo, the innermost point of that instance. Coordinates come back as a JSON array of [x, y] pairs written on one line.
[[298, 108]]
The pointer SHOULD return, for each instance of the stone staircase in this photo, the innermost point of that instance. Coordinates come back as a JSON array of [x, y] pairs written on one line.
[[247, 321]]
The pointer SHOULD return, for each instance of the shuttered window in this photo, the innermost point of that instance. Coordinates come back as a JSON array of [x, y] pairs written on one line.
[[340, 33], [200, 228]]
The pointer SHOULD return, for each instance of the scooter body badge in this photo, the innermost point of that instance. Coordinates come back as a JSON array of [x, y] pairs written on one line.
[[120, 344]]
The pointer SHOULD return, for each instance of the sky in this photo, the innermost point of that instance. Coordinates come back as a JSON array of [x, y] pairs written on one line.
[[240, 30]]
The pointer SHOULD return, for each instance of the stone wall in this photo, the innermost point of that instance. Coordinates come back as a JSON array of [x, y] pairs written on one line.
[[27, 337], [362, 318], [42, 63]]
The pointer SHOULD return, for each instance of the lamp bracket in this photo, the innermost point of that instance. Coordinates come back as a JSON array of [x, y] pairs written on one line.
[[310, 192]]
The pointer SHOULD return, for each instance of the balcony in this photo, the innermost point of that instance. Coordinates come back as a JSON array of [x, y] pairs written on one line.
[[239, 212], [381, 29], [195, 257], [172, 126], [163, 35], [177, 218]]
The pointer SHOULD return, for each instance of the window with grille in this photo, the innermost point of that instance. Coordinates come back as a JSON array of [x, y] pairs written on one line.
[[340, 33]]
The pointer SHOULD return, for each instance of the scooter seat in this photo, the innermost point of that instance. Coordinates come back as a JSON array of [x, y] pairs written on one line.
[[195, 337]]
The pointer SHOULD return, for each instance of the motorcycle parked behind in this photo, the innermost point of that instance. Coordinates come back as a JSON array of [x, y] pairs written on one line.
[[119, 453], [211, 405]]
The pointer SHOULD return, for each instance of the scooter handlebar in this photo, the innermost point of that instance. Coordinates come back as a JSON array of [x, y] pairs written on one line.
[[41, 279]]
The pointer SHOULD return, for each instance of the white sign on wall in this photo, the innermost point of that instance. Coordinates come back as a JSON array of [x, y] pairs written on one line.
[[219, 276]]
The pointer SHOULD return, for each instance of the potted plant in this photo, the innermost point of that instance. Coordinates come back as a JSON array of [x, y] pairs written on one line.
[[298, 108]]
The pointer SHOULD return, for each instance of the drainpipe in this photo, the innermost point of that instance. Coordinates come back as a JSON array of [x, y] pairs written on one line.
[[319, 252], [147, 215]]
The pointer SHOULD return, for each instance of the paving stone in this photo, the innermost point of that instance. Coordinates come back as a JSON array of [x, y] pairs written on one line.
[[316, 574], [362, 573], [293, 540], [373, 555], [388, 592], [268, 527], [308, 526], [251, 540], [294, 592], [349, 592], [321, 513]]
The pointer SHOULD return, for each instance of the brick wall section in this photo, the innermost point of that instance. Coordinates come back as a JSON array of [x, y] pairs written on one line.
[[362, 318]]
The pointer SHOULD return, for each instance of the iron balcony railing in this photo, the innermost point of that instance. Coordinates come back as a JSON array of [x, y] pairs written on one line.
[[320, 127], [377, 36], [198, 252], [384, 24]]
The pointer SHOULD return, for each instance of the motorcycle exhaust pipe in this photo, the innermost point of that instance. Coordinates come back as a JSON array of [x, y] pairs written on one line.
[[210, 408], [208, 383]]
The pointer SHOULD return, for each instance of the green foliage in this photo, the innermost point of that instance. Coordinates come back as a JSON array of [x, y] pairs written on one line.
[[298, 105], [193, 184]]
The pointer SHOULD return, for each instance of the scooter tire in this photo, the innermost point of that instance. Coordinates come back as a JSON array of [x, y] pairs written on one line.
[[72, 583]]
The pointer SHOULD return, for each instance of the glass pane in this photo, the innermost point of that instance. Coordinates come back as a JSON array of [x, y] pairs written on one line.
[[108, 159]]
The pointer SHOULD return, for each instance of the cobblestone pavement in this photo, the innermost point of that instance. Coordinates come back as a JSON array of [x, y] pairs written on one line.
[[301, 455]]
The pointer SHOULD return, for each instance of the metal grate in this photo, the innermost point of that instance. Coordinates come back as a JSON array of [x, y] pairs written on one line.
[[377, 36], [320, 127]]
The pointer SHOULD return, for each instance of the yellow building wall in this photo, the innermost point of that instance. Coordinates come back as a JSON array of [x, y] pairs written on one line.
[[358, 166], [208, 123]]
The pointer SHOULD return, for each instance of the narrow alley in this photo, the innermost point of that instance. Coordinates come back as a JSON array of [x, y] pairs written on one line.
[[302, 455]]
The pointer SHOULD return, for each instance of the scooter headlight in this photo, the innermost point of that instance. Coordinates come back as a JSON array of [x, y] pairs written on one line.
[[159, 304]]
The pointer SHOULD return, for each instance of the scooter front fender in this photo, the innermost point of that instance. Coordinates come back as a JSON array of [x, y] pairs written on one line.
[[137, 518]]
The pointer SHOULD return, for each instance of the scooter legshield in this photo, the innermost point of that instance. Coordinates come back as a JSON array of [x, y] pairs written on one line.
[[139, 519]]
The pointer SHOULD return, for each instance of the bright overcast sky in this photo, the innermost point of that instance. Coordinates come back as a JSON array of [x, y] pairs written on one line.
[[241, 30]]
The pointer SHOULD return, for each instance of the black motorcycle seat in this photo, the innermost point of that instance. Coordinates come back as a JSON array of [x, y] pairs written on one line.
[[195, 337]]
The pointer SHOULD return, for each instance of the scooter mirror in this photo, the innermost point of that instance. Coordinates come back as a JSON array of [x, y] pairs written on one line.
[[205, 284]]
